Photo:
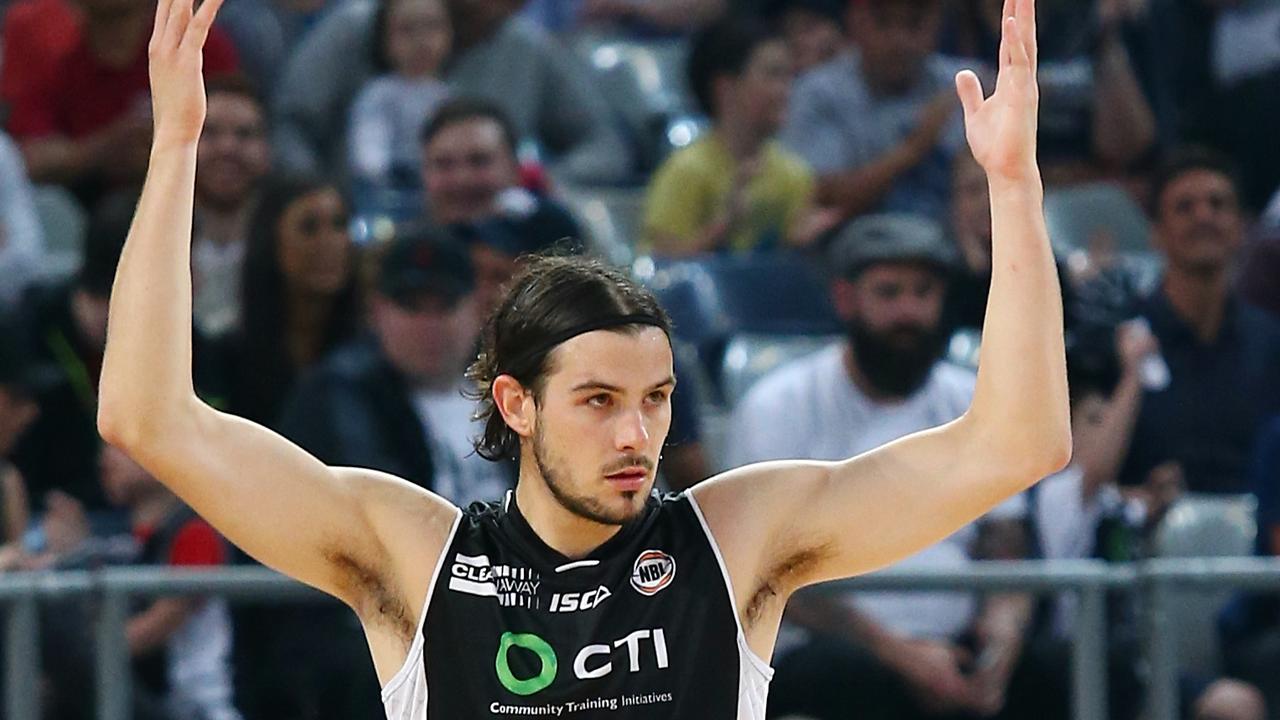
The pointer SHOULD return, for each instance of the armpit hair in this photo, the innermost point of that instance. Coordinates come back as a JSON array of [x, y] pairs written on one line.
[[780, 580], [366, 584]]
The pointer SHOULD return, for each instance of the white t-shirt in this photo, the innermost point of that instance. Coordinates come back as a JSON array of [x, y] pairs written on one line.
[[460, 474], [811, 409], [217, 269]]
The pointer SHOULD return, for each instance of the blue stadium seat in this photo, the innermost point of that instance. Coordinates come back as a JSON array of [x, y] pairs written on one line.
[[64, 224], [689, 295], [773, 294]]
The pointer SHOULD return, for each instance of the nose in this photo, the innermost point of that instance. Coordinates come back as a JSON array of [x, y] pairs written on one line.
[[630, 432]]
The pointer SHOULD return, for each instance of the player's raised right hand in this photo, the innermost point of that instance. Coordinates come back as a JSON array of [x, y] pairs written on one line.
[[176, 63]]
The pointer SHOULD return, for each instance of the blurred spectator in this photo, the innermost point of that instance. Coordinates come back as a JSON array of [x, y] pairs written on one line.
[[37, 34], [1251, 639], [21, 236], [88, 122], [544, 89], [1221, 60], [1259, 283], [1094, 115], [735, 189], [395, 402], [265, 33], [389, 113], [180, 646], [20, 383], [232, 158], [813, 29], [966, 303], [471, 175], [66, 327], [636, 16], [300, 283], [879, 124], [890, 655], [1223, 355]]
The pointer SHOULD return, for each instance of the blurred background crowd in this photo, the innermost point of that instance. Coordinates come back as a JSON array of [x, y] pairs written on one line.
[[791, 178]]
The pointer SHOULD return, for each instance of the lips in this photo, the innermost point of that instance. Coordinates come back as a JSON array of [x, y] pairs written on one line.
[[629, 479]]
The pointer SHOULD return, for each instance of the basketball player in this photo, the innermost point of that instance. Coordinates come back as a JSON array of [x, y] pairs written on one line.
[[580, 593]]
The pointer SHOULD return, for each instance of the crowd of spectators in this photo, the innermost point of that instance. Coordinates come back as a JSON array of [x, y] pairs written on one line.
[[372, 171]]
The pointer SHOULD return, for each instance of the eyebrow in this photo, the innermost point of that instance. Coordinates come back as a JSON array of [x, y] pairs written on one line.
[[601, 385]]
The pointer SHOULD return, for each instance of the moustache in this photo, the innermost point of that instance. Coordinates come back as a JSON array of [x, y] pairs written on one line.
[[629, 461]]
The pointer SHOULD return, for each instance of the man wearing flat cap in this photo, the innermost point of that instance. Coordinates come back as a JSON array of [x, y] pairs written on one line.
[[898, 655]]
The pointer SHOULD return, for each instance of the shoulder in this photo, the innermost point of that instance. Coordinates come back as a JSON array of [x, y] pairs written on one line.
[[686, 164]]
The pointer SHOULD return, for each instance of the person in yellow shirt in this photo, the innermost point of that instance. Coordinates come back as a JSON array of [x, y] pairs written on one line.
[[735, 189]]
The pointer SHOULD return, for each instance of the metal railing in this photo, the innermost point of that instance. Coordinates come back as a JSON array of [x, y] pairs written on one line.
[[1157, 580]]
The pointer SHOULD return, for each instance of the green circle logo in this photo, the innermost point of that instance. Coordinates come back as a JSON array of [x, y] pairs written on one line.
[[537, 646]]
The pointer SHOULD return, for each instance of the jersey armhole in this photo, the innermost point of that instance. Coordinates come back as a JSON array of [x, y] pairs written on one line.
[[760, 664], [415, 648]]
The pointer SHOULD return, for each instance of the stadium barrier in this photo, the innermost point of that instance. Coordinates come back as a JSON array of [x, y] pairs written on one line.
[[1156, 581]]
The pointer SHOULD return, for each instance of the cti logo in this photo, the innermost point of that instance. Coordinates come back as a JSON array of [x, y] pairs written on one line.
[[588, 664]]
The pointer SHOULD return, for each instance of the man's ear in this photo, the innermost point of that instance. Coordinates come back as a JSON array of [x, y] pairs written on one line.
[[515, 402], [844, 298]]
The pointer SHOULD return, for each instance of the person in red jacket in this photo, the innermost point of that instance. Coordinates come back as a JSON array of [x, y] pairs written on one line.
[[82, 113]]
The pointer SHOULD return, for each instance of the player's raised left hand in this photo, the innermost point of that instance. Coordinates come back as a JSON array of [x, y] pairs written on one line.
[[1002, 128], [176, 61]]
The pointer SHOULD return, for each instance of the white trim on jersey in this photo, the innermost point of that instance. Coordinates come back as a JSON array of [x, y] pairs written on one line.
[[414, 705], [753, 688]]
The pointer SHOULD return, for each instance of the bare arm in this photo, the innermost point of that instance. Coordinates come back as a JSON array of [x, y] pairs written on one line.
[[829, 520], [1103, 445], [334, 529]]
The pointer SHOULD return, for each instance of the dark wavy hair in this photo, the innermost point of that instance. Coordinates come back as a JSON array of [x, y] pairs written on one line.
[[263, 332], [548, 297]]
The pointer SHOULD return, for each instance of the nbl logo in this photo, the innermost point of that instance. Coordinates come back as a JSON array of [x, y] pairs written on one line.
[[653, 571]]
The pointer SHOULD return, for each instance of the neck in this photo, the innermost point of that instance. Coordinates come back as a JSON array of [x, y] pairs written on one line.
[[568, 534], [308, 322], [114, 39], [1199, 300], [154, 508], [224, 226], [742, 141], [864, 384]]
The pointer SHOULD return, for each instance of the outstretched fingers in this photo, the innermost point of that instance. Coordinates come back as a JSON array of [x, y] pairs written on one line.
[[162, 20], [176, 25], [198, 31], [1027, 24]]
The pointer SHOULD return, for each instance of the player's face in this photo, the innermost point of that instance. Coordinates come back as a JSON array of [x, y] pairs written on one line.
[[604, 414], [1199, 225]]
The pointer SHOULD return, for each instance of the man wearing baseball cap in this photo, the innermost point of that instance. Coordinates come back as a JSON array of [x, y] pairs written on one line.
[[393, 401], [897, 654]]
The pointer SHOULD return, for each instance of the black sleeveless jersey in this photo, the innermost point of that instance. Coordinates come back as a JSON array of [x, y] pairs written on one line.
[[643, 627]]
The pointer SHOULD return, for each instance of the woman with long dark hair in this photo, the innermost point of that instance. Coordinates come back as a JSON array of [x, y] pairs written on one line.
[[299, 291]]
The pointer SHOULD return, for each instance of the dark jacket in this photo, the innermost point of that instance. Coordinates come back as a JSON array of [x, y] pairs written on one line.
[[356, 410]]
